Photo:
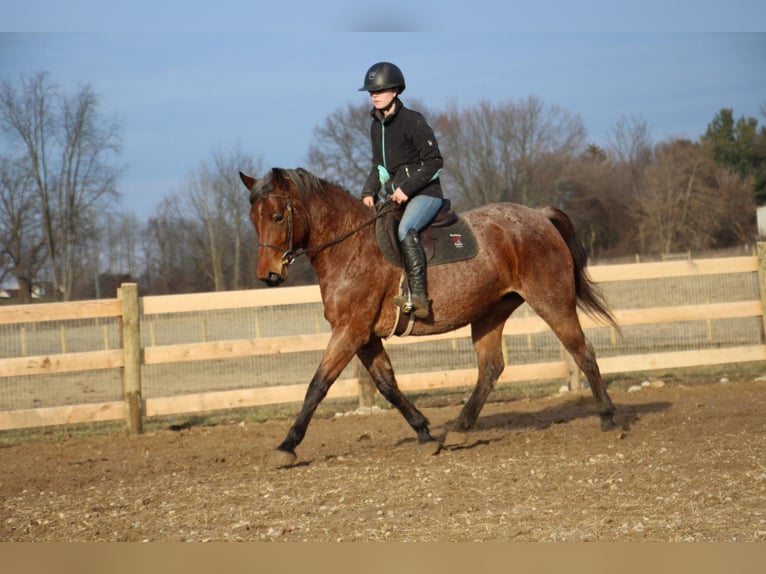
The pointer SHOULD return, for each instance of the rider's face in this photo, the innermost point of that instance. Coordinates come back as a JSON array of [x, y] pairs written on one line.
[[381, 99]]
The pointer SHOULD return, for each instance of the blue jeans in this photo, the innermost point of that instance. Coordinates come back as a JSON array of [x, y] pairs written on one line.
[[418, 212]]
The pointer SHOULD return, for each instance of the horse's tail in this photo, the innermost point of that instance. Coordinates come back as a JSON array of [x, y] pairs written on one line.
[[589, 296]]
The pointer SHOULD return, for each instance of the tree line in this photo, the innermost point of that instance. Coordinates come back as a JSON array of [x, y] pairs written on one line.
[[61, 226]]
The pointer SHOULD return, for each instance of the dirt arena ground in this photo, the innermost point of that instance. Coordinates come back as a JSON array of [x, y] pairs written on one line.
[[687, 463]]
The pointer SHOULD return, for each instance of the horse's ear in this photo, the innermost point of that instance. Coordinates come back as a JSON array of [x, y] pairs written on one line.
[[247, 180]]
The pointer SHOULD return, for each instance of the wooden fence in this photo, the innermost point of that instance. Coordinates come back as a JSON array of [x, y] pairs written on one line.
[[130, 357]]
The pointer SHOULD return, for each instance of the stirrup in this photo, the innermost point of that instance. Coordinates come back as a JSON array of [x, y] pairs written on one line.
[[402, 301], [406, 305]]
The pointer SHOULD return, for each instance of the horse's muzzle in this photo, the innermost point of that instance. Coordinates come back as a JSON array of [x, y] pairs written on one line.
[[273, 279]]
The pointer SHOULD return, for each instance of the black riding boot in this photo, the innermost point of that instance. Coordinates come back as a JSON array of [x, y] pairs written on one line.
[[415, 264]]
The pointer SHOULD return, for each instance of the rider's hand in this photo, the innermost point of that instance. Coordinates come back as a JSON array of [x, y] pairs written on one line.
[[399, 196], [368, 201]]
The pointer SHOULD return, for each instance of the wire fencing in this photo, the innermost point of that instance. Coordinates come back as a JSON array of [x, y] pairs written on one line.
[[53, 339]]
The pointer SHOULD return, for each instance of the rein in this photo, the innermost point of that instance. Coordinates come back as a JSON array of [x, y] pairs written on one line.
[[289, 256]]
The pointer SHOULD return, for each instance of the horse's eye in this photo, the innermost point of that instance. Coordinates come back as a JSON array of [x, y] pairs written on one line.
[[278, 218]]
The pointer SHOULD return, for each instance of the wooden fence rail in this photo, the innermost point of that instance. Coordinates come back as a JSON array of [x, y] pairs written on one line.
[[131, 310]]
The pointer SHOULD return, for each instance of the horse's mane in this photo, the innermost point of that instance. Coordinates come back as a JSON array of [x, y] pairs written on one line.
[[306, 184]]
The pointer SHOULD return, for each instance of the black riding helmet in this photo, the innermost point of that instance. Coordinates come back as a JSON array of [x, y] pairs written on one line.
[[383, 76]]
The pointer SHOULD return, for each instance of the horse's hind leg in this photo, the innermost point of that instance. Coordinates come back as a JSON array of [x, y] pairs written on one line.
[[375, 359], [567, 328], [585, 357], [487, 335]]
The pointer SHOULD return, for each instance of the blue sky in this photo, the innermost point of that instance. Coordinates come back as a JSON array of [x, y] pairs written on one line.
[[186, 83]]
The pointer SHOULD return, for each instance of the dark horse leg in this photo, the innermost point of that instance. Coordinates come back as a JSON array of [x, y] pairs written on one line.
[[487, 336], [337, 355], [375, 359]]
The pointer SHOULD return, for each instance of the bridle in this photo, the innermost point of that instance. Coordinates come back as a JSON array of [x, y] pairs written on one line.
[[289, 254]]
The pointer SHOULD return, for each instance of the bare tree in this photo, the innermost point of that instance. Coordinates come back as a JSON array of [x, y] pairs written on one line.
[[172, 265], [111, 254], [629, 152], [87, 183], [121, 243], [161, 243], [629, 145], [210, 219], [341, 148], [208, 210], [594, 201], [630, 142], [65, 145], [22, 247], [681, 208], [736, 194], [476, 147], [516, 151]]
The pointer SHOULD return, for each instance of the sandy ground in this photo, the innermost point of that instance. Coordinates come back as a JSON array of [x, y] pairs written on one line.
[[687, 463]]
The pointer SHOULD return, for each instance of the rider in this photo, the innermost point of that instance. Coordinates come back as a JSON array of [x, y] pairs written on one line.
[[406, 164]]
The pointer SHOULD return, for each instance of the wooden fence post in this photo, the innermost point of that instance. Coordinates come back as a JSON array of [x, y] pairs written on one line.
[[131, 348], [574, 376], [366, 387], [762, 285]]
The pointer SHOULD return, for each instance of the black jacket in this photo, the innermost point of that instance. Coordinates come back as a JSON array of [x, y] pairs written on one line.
[[405, 145]]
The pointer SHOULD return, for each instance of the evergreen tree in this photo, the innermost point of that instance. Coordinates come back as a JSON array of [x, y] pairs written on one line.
[[740, 146]]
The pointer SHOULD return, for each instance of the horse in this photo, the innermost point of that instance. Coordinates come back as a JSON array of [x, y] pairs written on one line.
[[525, 254]]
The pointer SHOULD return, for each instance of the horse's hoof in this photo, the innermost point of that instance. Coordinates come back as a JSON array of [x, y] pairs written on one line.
[[430, 448], [607, 422], [282, 458], [455, 438]]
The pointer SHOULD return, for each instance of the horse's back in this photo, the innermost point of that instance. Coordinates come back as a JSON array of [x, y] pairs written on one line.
[[521, 246], [511, 221]]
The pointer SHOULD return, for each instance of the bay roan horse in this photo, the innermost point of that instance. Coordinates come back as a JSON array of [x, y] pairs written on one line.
[[524, 254]]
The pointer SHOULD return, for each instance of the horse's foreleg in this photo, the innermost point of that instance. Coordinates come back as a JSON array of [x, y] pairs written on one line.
[[336, 356], [487, 341], [375, 359], [317, 390]]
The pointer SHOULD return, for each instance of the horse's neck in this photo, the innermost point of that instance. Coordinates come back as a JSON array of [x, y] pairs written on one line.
[[335, 234], [329, 221]]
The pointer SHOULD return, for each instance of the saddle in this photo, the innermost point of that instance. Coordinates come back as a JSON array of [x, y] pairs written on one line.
[[448, 238]]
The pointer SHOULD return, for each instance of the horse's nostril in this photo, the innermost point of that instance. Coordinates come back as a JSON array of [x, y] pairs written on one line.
[[273, 279]]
